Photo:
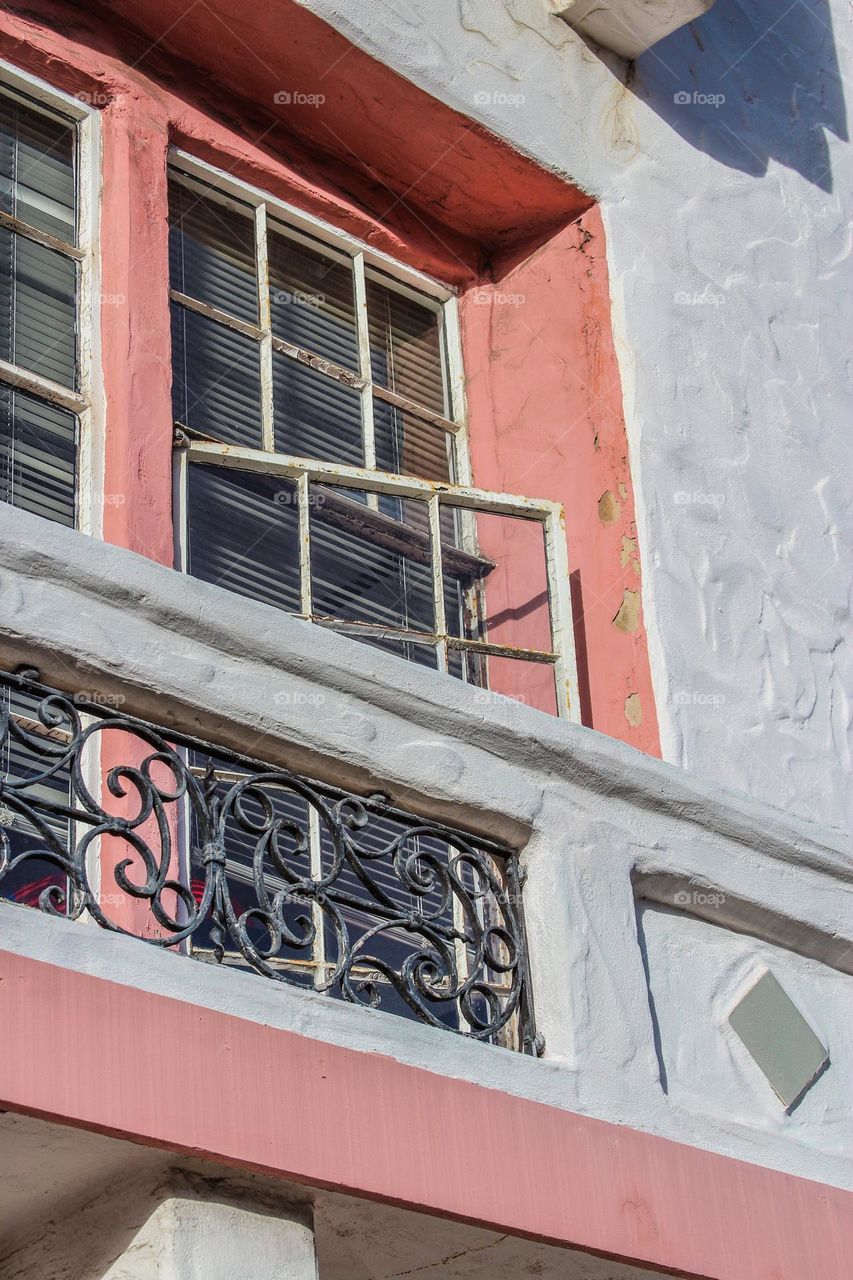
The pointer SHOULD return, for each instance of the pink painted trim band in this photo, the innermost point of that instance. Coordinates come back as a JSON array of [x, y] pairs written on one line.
[[88, 1052]]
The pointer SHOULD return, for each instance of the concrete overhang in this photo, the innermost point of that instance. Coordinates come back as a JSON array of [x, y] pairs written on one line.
[[340, 115], [629, 27]]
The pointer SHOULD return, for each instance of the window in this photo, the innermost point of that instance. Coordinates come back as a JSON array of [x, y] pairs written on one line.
[[285, 343], [322, 454], [45, 277]]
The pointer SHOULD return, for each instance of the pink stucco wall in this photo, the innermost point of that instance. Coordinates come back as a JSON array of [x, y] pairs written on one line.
[[171, 1074], [545, 411]]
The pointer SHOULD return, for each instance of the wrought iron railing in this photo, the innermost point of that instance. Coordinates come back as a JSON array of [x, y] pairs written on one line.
[[193, 847]]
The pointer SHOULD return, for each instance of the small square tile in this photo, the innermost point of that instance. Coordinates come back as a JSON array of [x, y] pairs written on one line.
[[779, 1039]]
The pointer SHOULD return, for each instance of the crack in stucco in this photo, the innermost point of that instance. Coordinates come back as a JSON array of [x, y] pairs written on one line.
[[451, 1257]]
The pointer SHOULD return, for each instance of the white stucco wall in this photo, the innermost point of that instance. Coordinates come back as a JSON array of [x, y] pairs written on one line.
[[728, 247], [697, 973]]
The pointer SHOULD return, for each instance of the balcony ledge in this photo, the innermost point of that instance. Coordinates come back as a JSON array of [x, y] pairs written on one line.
[[181, 652]]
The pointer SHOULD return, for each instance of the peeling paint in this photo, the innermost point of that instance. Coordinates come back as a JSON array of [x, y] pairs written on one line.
[[633, 710], [608, 507], [628, 617], [629, 555]]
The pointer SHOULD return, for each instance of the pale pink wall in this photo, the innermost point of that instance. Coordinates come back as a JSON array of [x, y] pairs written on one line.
[[135, 331], [545, 414], [167, 1073]]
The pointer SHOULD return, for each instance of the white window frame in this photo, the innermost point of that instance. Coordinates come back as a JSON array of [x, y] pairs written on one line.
[[462, 496], [88, 402], [419, 287]]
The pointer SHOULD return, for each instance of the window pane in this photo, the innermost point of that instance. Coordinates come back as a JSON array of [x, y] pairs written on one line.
[[244, 534], [37, 456], [407, 445], [532, 683], [423, 655], [415, 908], [39, 830], [216, 379], [315, 416], [515, 590], [405, 347], [212, 253], [37, 309], [312, 300], [367, 566], [244, 850], [37, 169]]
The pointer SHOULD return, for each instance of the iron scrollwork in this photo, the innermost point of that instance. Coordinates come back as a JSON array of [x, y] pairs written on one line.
[[189, 846]]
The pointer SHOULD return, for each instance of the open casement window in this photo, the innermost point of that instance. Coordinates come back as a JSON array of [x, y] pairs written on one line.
[[45, 254], [323, 461]]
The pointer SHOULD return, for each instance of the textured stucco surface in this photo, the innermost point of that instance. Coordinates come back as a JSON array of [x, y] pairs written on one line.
[[697, 973], [600, 825], [728, 249]]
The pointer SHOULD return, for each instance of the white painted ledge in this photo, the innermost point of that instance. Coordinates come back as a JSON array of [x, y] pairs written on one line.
[[629, 27]]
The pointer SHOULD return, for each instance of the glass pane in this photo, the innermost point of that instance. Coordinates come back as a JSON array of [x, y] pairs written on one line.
[[418, 902], [244, 849], [514, 607], [212, 253], [407, 445], [216, 379], [37, 309], [315, 416], [464, 569], [243, 531], [367, 566], [38, 830], [423, 655], [405, 347], [37, 456], [312, 300], [37, 169], [529, 682]]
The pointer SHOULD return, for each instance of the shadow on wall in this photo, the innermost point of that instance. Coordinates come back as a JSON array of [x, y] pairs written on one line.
[[748, 83]]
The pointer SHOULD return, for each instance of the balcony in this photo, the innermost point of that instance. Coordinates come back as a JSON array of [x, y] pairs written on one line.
[[652, 901], [165, 838]]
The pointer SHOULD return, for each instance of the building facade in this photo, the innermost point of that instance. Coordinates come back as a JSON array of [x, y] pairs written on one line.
[[424, 618]]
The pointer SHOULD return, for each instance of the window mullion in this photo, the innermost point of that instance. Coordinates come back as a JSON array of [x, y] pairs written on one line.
[[91, 434], [560, 606], [315, 850], [363, 335], [265, 318], [368, 427], [303, 499], [437, 580]]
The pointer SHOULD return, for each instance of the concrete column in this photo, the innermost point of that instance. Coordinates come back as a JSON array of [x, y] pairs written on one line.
[[191, 1235]]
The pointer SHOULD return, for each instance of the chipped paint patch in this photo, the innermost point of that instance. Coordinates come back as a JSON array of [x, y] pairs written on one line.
[[633, 710], [609, 507], [628, 617], [629, 556]]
